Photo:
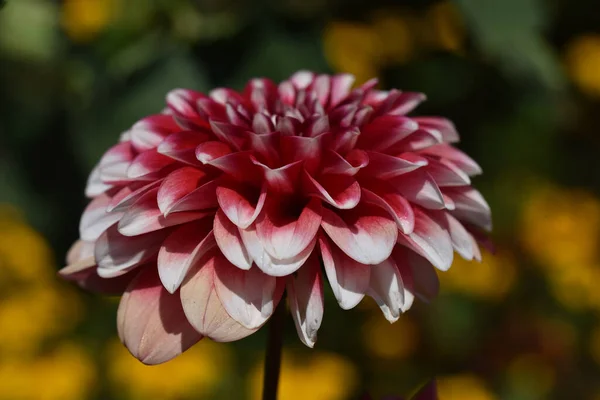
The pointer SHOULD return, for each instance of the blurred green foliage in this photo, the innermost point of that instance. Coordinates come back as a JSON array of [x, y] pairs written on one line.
[[521, 80]]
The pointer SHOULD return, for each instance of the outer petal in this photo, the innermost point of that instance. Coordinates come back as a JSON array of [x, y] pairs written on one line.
[[385, 286], [366, 233], [230, 242], [470, 206], [147, 163], [151, 321], [383, 166], [305, 291], [446, 173], [397, 206], [463, 161], [130, 194], [420, 188], [250, 297], [181, 249], [285, 235], [179, 184], [95, 219], [425, 279], [462, 241], [349, 279], [181, 146], [203, 307], [430, 240], [442, 125], [384, 132]]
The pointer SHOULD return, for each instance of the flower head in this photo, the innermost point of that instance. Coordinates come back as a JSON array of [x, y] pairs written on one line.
[[204, 214]]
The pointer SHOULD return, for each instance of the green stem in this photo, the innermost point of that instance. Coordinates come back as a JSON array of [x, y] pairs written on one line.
[[273, 353]]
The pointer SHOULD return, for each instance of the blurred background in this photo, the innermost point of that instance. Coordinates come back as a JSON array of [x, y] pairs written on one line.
[[521, 80]]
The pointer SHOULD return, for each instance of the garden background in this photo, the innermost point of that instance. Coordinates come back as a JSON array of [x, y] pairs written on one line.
[[521, 81]]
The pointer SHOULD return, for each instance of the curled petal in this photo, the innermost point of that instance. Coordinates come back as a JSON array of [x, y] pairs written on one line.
[[238, 166], [181, 146], [283, 233], [397, 206], [281, 180], [442, 125], [446, 173], [335, 164], [420, 188], [385, 167], [241, 204], [181, 249], [462, 241], [305, 291], [177, 185], [341, 191], [447, 152], [148, 133], [429, 240], [230, 242], [470, 206], [382, 134], [366, 233], [386, 288], [250, 297], [306, 149], [129, 195], [151, 322], [340, 88], [96, 219], [348, 278], [211, 150], [230, 134], [203, 307], [147, 163]]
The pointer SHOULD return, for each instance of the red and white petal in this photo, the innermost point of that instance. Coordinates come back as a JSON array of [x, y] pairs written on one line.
[[144, 216], [230, 134], [335, 164], [181, 249], [305, 293], [95, 219], [470, 206], [149, 132], [268, 264], [285, 234], [419, 140], [425, 279], [130, 194], [341, 191], [463, 161], [348, 278], [147, 163], [442, 125], [250, 297], [400, 257], [366, 233], [382, 134], [116, 253], [283, 180], [95, 185], [462, 241], [383, 166], [230, 242], [203, 307], [305, 149], [179, 184], [340, 88], [406, 102], [119, 153], [151, 322], [211, 150], [429, 240], [446, 173], [239, 166], [182, 146], [241, 204], [386, 288], [396, 205], [420, 188]]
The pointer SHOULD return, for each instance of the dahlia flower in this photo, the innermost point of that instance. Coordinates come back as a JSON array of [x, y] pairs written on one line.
[[204, 214]]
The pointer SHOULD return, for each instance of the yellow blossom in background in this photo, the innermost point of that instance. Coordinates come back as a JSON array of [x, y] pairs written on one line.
[[353, 48], [66, 373], [582, 60], [83, 20], [390, 341], [531, 374], [324, 376], [491, 279], [463, 387], [394, 37], [193, 374], [447, 26]]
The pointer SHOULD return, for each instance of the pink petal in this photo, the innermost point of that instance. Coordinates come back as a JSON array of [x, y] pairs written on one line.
[[463, 161], [230, 134], [129, 195], [148, 133], [182, 146], [406, 102], [345, 140], [266, 147], [181, 249], [341, 191], [366, 233], [267, 263], [147, 163], [442, 125], [144, 216], [119, 153], [211, 150], [386, 288], [445, 173], [241, 204], [302, 79], [401, 257], [95, 219], [385, 167], [385, 132], [84, 273], [151, 321], [281, 180], [419, 140], [230, 243], [395, 205], [335, 164], [283, 232], [116, 253], [419, 187], [306, 149], [177, 185], [429, 240], [250, 297], [183, 101], [349, 279], [462, 241], [80, 250], [239, 166], [470, 206], [95, 186], [203, 307], [340, 88], [305, 291], [262, 124]]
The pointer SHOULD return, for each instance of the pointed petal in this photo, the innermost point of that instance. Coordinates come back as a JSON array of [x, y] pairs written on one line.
[[238, 166], [181, 249], [203, 307], [425, 280], [366, 233], [182, 146], [383, 166], [249, 296], [177, 185], [463, 161], [340, 88], [241, 204], [462, 241], [341, 191], [305, 149], [147, 163], [442, 125], [420, 188], [149, 132], [335, 164], [283, 233], [470, 206], [385, 132], [385, 286], [446, 173], [230, 242], [95, 186], [230, 134], [95, 219], [349, 279], [305, 293], [211, 150], [280, 180], [396, 206], [151, 321], [429, 240], [129, 195]]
